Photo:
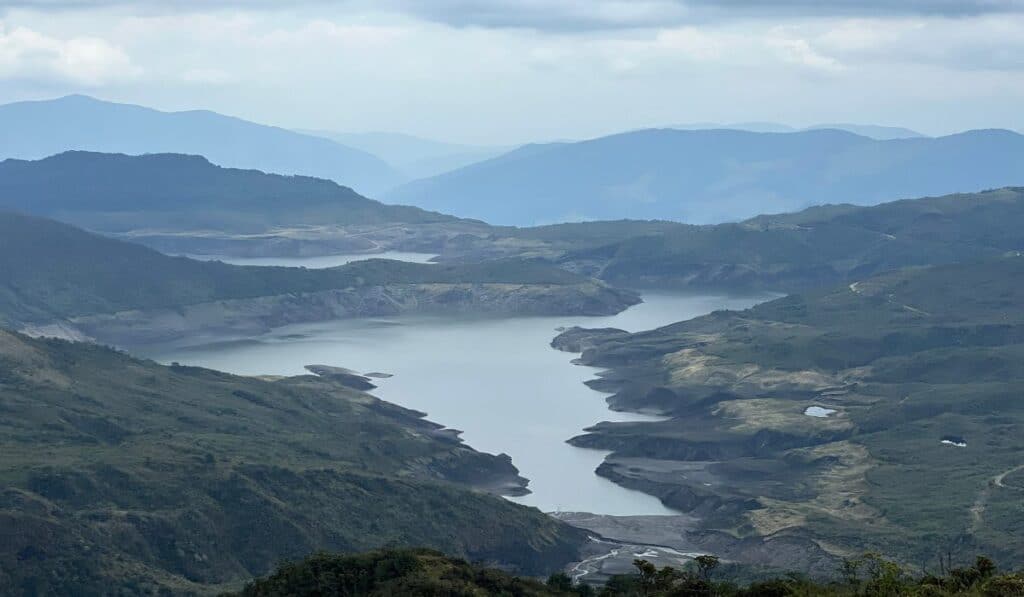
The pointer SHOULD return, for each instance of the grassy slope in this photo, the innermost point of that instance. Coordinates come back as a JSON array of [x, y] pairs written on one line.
[[52, 270], [906, 359], [120, 472], [816, 247]]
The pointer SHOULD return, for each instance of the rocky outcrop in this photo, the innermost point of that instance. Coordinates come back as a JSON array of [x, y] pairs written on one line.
[[345, 377], [577, 339]]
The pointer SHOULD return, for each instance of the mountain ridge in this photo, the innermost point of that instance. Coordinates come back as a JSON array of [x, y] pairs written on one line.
[[711, 176], [117, 191], [36, 129]]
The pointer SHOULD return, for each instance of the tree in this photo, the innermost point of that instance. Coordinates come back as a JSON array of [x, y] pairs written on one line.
[[560, 581], [648, 573], [706, 564]]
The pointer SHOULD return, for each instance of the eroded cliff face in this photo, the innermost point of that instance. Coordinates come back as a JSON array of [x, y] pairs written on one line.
[[257, 315]]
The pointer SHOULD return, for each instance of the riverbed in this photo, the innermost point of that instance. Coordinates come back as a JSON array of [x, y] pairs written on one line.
[[497, 380]]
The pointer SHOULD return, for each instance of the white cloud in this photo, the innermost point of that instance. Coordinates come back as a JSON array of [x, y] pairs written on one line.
[[207, 76], [336, 68], [981, 43], [28, 54], [799, 51], [567, 15]]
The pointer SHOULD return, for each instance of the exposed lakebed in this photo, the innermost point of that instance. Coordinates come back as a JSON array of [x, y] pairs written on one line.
[[497, 380]]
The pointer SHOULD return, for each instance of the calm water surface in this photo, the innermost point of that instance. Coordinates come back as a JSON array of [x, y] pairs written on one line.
[[497, 380], [318, 262]]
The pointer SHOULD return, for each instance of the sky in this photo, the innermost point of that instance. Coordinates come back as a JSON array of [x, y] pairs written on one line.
[[498, 72]]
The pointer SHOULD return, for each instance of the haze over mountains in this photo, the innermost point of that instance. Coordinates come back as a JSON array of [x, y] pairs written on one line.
[[873, 131], [37, 129], [707, 176], [695, 173], [415, 157]]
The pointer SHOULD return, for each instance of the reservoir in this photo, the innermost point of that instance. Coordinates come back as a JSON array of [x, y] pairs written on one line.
[[318, 262], [497, 380]]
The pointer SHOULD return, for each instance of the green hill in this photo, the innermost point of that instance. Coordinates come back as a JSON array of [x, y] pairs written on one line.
[[911, 445], [116, 192], [813, 248], [51, 271], [121, 476]]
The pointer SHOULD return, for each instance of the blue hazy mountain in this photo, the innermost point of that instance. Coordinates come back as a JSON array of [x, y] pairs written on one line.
[[37, 129], [415, 157], [873, 131], [708, 176]]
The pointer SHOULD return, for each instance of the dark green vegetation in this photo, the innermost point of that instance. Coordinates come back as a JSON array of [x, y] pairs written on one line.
[[920, 456], [115, 192], [53, 271], [813, 248], [708, 176], [119, 476], [426, 573], [36, 129]]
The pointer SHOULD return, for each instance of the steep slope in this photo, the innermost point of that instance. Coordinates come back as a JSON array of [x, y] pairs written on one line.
[[124, 476], [52, 273], [33, 130], [708, 176], [882, 414]]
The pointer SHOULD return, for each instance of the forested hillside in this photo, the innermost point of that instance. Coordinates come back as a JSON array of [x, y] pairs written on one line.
[[122, 475]]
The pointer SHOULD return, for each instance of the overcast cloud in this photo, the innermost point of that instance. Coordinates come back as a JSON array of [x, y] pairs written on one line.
[[507, 71]]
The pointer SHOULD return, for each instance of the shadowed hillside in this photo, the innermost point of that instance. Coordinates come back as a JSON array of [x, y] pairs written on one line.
[[116, 192]]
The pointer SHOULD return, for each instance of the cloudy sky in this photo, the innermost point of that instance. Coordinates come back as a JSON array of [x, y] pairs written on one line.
[[504, 71]]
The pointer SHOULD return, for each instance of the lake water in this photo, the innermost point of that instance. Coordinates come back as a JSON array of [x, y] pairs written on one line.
[[320, 262], [497, 380]]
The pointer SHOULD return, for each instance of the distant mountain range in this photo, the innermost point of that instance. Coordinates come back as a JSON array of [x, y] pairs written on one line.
[[415, 157], [116, 192], [709, 176], [37, 129], [874, 131]]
